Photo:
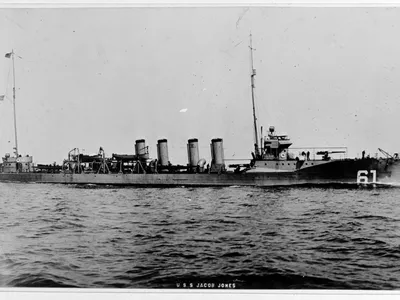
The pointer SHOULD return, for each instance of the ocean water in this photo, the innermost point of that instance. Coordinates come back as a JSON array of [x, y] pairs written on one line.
[[234, 237]]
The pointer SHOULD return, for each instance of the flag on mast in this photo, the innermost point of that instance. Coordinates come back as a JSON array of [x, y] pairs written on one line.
[[8, 55]]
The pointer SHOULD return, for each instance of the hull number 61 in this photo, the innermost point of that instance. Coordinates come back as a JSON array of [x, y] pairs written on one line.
[[362, 176]]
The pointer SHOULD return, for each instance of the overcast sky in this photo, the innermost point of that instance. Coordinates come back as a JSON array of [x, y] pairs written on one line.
[[106, 77]]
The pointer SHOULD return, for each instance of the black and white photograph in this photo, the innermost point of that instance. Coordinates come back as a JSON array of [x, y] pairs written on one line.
[[200, 148]]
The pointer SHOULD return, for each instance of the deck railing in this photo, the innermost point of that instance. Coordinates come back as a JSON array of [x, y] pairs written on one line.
[[313, 151]]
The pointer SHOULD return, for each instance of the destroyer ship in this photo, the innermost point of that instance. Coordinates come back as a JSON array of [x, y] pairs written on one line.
[[271, 164]]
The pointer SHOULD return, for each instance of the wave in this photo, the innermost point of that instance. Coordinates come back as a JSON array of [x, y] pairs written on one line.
[[92, 238], [375, 217], [335, 185], [232, 254], [41, 280]]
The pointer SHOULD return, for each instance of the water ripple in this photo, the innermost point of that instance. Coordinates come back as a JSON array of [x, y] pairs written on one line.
[[302, 238]]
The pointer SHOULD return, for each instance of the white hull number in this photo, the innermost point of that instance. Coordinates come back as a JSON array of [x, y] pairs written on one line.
[[362, 176]]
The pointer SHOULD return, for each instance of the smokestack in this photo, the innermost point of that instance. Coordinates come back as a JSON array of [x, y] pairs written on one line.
[[162, 152], [217, 155], [193, 153], [141, 150]]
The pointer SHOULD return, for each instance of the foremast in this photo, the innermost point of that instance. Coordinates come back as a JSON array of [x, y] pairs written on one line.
[[253, 74]]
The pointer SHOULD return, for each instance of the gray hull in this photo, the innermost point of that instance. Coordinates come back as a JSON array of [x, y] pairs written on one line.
[[162, 179], [339, 171], [177, 179]]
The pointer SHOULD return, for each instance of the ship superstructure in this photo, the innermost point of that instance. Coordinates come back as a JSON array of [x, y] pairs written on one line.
[[273, 163]]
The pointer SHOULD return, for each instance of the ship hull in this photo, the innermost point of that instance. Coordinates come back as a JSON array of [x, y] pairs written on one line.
[[347, 171]]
